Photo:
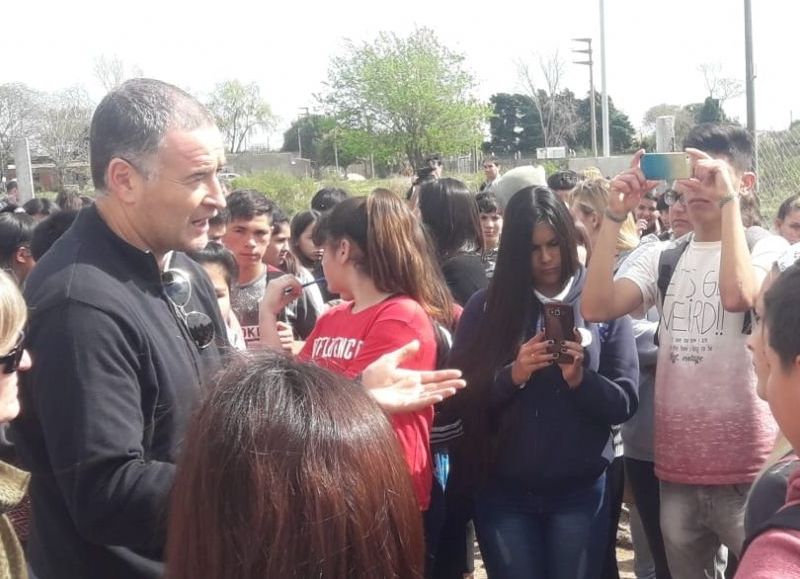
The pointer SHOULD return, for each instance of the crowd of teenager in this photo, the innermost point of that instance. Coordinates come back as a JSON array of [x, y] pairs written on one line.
[[196, 384]]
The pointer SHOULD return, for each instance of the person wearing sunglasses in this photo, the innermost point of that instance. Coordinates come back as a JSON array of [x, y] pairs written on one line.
[[13, 359], [125, 329]]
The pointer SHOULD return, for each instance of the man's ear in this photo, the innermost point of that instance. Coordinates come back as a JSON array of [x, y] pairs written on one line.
[[748, 182], [123, 180]]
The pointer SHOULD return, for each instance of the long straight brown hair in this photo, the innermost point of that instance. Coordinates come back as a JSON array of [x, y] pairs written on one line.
[[509, 308], [290, 471], [395, 251]]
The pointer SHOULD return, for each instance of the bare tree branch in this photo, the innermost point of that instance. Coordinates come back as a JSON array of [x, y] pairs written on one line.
[[111, 71], [557, 115], [720, 87], [63, 128]]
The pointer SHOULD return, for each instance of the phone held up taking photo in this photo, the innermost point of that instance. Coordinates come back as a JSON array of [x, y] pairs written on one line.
[[666, 166], [559, 324]]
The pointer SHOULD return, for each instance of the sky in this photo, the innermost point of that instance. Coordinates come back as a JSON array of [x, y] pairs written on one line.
[[654, 48]]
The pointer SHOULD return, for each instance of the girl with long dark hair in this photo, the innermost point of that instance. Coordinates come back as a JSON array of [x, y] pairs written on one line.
[[301, 241], [376, 254], [538, 430], [450, 214]]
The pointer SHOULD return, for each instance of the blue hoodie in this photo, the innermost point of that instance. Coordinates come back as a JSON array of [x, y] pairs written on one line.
[[552, 438]]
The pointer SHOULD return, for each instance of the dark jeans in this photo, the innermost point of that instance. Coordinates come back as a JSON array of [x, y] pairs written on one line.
[[615, 489], [455, 552], [433, 520], [449, 533], [646, 493], [523, 535]]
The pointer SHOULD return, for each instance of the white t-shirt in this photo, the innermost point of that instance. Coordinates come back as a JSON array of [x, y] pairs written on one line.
[[789, 257], [710, 427]]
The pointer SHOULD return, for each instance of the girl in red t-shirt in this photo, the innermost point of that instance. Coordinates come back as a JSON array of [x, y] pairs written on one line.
[[375, 252]]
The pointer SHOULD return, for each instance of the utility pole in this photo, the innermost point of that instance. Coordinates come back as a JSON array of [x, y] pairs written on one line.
[[299, 141], [336, 151], [592, 101], [750, 79], [606, 134]]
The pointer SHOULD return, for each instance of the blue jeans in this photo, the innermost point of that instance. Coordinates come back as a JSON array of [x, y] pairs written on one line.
[[523, 535]]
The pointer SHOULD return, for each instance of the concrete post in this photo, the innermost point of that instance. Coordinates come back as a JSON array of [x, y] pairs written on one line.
[[22, 162], [665, 134]]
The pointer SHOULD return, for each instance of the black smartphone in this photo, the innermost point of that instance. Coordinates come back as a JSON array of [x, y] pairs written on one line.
[[559, 322]]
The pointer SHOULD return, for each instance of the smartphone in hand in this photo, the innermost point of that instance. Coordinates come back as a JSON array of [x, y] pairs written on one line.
[[559, 322], [665, 166]]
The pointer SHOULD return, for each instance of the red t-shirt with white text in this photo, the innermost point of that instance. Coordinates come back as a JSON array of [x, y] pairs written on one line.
[[346, 343]]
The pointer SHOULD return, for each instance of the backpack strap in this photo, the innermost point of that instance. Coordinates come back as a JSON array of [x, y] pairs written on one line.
[[787, 518], [667, 262]]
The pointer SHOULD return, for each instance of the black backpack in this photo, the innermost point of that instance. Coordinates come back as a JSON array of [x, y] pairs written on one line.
[[787, 518], [669, 258], [446, 426]]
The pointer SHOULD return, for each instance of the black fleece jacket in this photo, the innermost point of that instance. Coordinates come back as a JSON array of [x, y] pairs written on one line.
[[105, 406]]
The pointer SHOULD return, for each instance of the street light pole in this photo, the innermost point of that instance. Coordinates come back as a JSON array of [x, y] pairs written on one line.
[[299, 141], [336, 151], [750, 78], [606, 134], [592, 101]]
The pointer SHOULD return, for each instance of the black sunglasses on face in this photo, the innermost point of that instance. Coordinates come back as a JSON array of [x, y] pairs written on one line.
[[178, 289], [11, 361]]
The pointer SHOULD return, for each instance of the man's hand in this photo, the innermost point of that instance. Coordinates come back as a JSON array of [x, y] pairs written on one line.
[[712, 178], [400, 390], [627, 188], [532, 357]]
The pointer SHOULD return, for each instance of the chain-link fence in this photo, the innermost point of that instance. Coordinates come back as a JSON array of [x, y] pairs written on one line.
[[778, 168]]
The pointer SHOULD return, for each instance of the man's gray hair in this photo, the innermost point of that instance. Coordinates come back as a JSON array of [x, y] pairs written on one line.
[[131, 121]]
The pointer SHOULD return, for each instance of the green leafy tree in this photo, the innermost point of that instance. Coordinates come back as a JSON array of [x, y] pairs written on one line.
[[711, 112], [324, 142], [514, 125], [410, 95], [240, 111], [621, 132]]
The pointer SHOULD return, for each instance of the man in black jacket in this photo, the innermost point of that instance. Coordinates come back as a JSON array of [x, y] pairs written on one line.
[[124, 329]]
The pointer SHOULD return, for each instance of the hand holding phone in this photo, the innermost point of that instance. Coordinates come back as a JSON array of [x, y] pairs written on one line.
[[628, 187], [559, 324], [666, 166], [533, 355]]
